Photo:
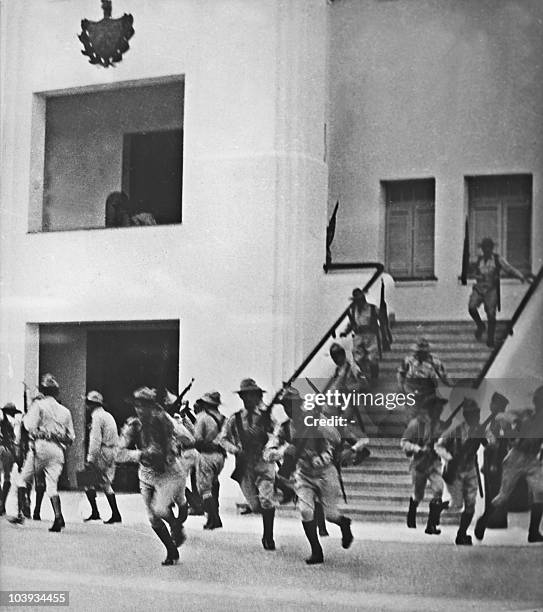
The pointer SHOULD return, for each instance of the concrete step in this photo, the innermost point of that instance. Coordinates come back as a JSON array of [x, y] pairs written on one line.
[[446, 357]]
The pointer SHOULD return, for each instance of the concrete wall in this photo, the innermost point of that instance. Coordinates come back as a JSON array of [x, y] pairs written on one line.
[[245, 262], [432, 88]]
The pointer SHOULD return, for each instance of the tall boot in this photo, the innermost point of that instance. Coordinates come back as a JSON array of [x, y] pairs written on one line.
[[462, 538], [209, 509], [412, 514], [482, 522], [320, 520], [3, 496], [491, 332], [310, 529], [478, 321], [344, 524], [115, 514], [26, 504], [19, 519], [40, 492], [534, 534], [268, 517], [94, 515], [172, 554], [58, 523], [177, 530], [215, 491], [433, 517]]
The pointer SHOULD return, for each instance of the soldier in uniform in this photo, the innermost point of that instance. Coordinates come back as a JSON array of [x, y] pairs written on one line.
[[209, 422], [487, 270], [245, 435], [51, 431], [155, 440], [364, 326], [522, 461], [316, 477], [7, 452], [103, 442], [460, 444], [418, 443], [421, 372]]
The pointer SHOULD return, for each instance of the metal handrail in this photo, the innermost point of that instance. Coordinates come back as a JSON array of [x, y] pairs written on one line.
[[516, 315]]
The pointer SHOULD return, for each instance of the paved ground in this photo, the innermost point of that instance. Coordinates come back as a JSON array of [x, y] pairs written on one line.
[[388, 567]]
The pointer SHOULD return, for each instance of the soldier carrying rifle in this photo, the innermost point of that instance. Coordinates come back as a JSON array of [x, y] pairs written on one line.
[[7, 452], [245, 435]]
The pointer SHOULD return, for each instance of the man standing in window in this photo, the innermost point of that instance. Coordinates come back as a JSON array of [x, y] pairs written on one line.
[[486, 290]]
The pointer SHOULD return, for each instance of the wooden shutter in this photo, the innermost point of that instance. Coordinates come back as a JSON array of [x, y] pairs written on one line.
[[517, 240], [399, 239], [423, 246]]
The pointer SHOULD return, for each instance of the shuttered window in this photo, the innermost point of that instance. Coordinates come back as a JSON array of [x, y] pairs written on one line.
[[410, 215], [500, 207]]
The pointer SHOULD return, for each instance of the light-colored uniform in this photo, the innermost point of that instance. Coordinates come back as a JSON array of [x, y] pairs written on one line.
[[7, 448], [258, 482], [51, 431], [161, 484], [363, 323], [425, 467], [103, 443], [211, 460], [316, 477]]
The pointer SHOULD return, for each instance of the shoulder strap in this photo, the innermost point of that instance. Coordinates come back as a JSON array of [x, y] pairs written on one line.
[[218, 421], [497, 262], [239, 424]]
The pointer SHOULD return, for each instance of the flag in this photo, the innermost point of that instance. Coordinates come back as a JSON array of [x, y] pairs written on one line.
[[330, 232], [383, 320], [465, 255]]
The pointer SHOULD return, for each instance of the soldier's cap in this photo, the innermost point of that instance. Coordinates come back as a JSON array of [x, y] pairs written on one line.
[[487, 242], [213, 398], [248, 384], [95, 397], [11, 409], [335, 347], [470, 405], [422, 344], [499, 400], [145, 395], [357, 294], [289, 395], [48, 382]]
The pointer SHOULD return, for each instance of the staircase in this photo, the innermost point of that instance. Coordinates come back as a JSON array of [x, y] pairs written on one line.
[[379, 489]]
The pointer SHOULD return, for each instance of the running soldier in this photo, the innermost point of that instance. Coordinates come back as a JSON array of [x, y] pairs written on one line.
[[421, 372], [522, 461], [51, 431], [103, 442], [364, 326], [155, 440], [315, 478], [245, 435], [418, 443], [209, 422], [458, 446], [487, 270], [7, 452]]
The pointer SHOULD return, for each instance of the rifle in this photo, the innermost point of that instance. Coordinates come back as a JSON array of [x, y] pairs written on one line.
[[24, 439], [469, 448], [174, 407]]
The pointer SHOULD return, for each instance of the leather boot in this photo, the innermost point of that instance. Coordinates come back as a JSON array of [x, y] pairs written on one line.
[[19, 519], [58, 523], [433, 517], [3, 496], [412, 514], [346, 533], [320, 520], [40, 492], [177, 529], [462, 538], [172, 554], [94, 515], [310, 529], [218, 522], [535, 519], [26, 504], [480, 325], [115, 514], [491, 332], [209, 509], [482, 522], [268, 517]]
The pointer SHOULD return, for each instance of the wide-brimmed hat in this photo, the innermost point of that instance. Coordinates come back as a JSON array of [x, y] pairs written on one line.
[[95, 397], [500, 401], [357, 293], [470, 405], [336, 347], [213, 398], [421, 344], [289, 395], [487, 242], [48, 381], [11, 409], [146, 395], [249, 384]]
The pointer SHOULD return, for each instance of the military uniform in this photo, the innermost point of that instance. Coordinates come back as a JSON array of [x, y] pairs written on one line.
[[211, 460], [156, 441], [7, 453], [364, 325], [418, 443]]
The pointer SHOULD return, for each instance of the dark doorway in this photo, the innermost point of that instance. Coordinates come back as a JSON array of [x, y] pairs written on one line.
[[153, 163]]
